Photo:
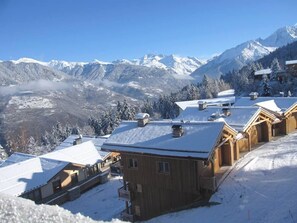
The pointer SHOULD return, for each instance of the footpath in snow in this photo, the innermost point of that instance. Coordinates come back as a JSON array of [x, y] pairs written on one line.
[[100, 203], [262, 187]]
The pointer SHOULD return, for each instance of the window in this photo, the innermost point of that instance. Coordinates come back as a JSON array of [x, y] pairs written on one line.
[[57, 186], [139, 188], [133, 163], [163, 167], [137, 210]]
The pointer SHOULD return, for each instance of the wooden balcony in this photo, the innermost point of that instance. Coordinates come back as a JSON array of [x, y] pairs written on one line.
[[124, 194], [127, 215]]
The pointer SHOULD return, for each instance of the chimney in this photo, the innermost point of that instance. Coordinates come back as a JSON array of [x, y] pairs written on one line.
[[177, 131], [282, 94], [202, 105], [77, 140], [226, 111], [142, 119], [253, 95]]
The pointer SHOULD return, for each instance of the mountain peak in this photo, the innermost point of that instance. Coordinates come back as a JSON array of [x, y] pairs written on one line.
[[28, 60]]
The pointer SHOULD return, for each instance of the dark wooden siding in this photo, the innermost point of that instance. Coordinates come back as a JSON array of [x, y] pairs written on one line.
[[163, 192]]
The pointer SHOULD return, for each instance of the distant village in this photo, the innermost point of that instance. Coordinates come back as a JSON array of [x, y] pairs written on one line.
[[167, 165]]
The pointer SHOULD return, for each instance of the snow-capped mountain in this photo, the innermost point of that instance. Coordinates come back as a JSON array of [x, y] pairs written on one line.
[[281, 37], [235, 58], [180, 65]]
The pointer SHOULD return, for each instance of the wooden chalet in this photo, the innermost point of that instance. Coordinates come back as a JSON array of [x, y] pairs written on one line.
[[55, 177], [284, 108], [108, 158], [253, 123], [291, 67], [264, 73], [170, 165]]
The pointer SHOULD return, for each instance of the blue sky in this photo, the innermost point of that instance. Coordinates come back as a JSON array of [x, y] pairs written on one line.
[[84, 30]]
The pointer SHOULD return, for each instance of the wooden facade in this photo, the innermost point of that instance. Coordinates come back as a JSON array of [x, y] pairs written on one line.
[[155, 184], [259, 130], [71, 176]]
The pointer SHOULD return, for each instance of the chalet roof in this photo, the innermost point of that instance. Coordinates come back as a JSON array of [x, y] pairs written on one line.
[[230, 92], [198, 141], [97, 141], [142, 115], [275, 104], [263, 71], [27, 175], [239, 118], [84, 154], [290, 62], [210, 102], [16, 157]]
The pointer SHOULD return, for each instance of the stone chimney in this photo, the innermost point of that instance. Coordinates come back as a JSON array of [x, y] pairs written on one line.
[[177, 131], [77, 140], [202, 105], [142, 119], [253, 95], [226, 112]]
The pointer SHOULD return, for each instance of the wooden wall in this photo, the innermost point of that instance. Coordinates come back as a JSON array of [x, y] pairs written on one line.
[[163, 192]]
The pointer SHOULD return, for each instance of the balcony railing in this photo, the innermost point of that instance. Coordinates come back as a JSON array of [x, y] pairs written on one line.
[[124, 194], [127, 215], [209, 183]]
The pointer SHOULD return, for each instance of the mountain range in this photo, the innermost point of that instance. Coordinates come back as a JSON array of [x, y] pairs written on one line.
[[37, 93]]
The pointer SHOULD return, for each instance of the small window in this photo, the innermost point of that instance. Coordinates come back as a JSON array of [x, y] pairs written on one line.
[[133, 163], [163, 167], [57, 186], [139, 188], [137, 210]]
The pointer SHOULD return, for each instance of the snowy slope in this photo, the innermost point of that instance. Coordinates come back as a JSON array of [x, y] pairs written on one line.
[[236, 57], [19, 210], [100, 203], [281, 36], [260, 188]]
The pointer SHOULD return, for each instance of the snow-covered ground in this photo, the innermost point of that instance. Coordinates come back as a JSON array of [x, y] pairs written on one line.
[[31, 102], [100, 203], [19, 210], [260, 188]]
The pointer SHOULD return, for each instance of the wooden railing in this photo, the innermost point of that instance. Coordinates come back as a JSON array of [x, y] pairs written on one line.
[[124, 194], [127, 215]]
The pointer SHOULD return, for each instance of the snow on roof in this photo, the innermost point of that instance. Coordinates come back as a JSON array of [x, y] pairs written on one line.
[[210, 102], [16, 158], [269, 105], [198, 140], [142, 115], [97, 141], [290, 62], [84, 154], [239, 118], [263, 71], [229, 92], [21, 177], [284, 103]]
